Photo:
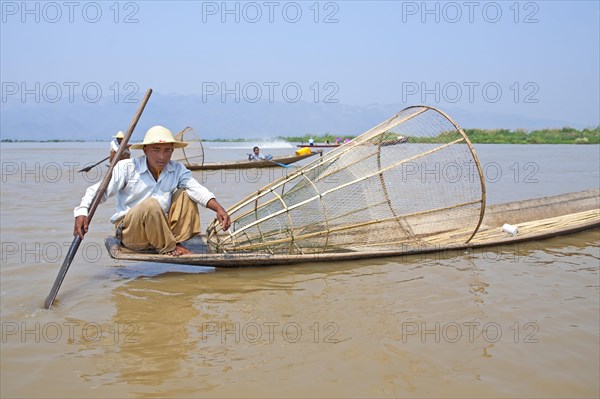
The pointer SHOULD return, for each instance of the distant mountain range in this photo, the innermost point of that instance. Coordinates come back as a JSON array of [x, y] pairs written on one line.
[[214, 119]]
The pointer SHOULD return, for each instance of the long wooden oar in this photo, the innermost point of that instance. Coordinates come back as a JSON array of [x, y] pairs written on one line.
[[87, 169], [95, 202]]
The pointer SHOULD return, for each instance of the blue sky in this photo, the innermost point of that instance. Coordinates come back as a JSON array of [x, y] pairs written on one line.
[[526, 60]]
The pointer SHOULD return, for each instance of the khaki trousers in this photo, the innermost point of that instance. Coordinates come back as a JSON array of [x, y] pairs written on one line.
[[146, 226]]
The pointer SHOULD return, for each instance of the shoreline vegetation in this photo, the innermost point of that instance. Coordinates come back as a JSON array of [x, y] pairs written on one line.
[[565, 135]]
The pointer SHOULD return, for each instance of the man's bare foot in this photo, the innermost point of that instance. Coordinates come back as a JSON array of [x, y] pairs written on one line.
[[179, 250]]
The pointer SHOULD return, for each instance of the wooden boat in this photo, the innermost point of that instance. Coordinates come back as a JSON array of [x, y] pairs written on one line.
[[399, 140], [536, 219], [274, 162]]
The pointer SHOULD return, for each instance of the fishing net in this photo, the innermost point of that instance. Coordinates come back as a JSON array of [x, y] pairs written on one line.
[[412, 180], [193, 153]]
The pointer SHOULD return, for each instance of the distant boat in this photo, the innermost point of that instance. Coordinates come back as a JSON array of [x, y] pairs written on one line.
[[399, 140], [319, 145], [274, 162]]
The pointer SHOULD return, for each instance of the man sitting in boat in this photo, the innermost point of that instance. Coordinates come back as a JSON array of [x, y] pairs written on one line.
[[257, 156], [311, 141], [114, 147], [156, 198]]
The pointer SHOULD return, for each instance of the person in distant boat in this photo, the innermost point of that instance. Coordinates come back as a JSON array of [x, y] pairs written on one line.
[[256, 155], [311, 142], [114, 147], [157, 199]]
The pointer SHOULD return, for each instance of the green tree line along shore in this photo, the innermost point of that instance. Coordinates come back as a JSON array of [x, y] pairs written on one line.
[[565, 135]]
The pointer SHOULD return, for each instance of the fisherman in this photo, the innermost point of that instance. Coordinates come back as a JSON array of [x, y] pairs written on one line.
[[256, 155], [156, 199], [311, 141], [114, 147]]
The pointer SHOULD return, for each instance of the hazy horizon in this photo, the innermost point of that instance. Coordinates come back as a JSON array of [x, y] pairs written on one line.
[[232, 69]]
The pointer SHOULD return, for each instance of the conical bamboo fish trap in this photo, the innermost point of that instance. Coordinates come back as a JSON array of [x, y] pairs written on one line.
[[412, 180]]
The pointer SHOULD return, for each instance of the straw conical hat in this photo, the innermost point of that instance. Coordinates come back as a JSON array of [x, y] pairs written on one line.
[[158, 135]]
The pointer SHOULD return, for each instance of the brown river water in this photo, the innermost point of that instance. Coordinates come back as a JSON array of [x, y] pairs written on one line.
[[511, 321]]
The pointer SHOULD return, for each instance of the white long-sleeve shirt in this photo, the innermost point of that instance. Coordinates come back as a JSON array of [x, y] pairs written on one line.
[[132, 183], [254, 157], [114, 146]]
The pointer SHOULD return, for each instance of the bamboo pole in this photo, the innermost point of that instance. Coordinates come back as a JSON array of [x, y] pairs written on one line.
[[95, 202]]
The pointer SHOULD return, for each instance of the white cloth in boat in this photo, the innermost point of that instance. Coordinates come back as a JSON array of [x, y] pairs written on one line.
[[132, 183]]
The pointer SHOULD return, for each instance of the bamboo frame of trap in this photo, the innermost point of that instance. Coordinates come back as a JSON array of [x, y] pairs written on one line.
[[218, 240], [190, 154]]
